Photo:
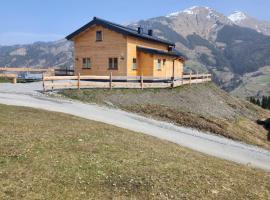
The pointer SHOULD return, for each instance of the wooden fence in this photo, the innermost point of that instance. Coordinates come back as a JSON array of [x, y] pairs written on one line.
[[10, 76], [135, 82], [6, 72]]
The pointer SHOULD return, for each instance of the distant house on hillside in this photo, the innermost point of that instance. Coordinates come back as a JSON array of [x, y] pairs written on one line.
[[102, 46]]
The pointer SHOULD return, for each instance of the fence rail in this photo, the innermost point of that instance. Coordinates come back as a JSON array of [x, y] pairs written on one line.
[[136, 82], [6, 72], [25, 69]]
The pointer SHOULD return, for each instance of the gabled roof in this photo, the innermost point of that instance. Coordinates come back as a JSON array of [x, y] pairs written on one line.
[[173, 53], [120, 29]]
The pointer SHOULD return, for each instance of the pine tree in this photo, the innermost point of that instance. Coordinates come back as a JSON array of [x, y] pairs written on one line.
[[268, 102], [258, 102], [264, 102], [252, 100]]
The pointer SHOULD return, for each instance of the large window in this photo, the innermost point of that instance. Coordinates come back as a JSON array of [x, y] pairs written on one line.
[[86, 63], [134, 64], [99, 36], [159, 64], [113, 63]]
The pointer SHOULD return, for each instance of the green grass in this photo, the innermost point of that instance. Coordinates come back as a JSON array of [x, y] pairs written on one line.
[[46, 155], [4, 80], [263, 80]]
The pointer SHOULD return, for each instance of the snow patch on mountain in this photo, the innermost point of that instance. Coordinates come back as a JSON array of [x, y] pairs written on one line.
[[190, 11], [212, 15], [237, 16]]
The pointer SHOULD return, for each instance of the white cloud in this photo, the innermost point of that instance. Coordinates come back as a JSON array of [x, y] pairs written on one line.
[[11, 38]]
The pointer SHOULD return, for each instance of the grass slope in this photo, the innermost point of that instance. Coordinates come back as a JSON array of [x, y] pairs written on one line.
[[203, 106], [46, 155], [4, 80]]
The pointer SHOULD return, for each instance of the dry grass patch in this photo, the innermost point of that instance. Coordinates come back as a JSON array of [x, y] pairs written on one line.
[[204, 107], [46, 155]]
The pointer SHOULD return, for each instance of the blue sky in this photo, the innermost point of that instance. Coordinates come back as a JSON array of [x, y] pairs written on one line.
[[27, 21]]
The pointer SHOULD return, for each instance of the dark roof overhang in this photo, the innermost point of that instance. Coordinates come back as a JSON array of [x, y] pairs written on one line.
[[176, 54], [120, 29]]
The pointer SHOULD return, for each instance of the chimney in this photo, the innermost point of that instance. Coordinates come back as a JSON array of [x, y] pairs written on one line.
[[150, 32], [140, 30]]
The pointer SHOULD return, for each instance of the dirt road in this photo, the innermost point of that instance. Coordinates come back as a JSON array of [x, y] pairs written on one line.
[[28, 95]]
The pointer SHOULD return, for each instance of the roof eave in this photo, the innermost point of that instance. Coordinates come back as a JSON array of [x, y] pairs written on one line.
[[107, 25], [157, 52]]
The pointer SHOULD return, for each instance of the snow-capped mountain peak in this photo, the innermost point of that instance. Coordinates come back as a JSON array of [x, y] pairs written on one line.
[[238, 16], [189, 11]]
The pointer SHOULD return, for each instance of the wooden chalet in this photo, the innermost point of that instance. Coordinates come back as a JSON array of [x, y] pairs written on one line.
[[101, 47]]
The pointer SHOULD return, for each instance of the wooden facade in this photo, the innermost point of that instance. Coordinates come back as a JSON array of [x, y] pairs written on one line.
[[95, 54]]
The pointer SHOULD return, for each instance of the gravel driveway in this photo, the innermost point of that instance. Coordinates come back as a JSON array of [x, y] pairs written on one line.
[[28, 95]]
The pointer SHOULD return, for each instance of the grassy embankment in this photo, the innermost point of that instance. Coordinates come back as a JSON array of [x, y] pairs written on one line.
[[4, 80], [204, 107], [46, 155]]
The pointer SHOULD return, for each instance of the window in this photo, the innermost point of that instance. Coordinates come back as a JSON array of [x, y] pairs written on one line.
[[86, 63], [134, 64], [164, 62], [113, 63], [99, 36], [159, 64]]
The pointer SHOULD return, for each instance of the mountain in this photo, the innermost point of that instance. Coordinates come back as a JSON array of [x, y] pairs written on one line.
[[39, 54], [215, 43], [232, 48], [241, 19]]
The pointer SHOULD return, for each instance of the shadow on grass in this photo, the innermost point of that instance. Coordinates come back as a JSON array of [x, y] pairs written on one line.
[[266, 125]]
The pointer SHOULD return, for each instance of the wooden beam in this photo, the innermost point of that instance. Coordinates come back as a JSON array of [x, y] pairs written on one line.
[[8, 75], [25, 69]]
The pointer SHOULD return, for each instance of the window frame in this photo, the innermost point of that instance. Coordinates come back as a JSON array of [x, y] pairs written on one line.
[[101, 36], [164, 61], [134, 64], [113, 63], [159, 63], [86, 63]]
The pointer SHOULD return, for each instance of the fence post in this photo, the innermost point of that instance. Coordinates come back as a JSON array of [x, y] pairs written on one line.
[[79, 80], [43, 82], [172, 85], [110, 80], [142, 81], [197, 78], [14, 80], [190, 78], [182, 78]]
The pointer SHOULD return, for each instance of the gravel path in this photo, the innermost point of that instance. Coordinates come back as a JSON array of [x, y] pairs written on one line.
[[28, 95]]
